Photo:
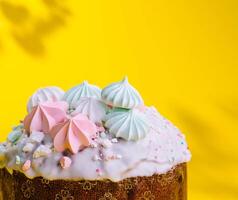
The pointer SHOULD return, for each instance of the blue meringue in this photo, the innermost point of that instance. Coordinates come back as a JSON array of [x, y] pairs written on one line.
[[130, 125], [83, 90], [45, 94], [93, 108], [122, 94]]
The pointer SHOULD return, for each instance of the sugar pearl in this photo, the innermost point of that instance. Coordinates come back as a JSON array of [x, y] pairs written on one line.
[[65, 162]]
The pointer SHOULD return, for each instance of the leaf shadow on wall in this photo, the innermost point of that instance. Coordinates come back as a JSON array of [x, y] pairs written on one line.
[[30, 31], [231, 108], [210, 155]]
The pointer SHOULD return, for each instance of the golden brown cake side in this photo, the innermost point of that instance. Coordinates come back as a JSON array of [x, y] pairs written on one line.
[[169, 186]]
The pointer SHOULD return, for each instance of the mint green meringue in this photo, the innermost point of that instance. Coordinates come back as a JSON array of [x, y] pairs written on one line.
[[122, 94], [51, 93], [83, 90], [130, 125]]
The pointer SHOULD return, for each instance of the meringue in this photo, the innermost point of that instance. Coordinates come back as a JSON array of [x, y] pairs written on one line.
[[45, 115], [45, 94], [127, 124], [122, 94], [91, 107], [73, 134], [83, 90]]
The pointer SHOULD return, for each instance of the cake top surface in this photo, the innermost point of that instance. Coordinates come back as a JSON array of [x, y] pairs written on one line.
[[93, 134]]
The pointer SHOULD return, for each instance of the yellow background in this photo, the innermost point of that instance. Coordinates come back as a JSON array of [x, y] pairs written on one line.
[[181, 55]]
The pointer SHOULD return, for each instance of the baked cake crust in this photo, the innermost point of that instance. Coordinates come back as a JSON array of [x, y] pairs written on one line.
[[169, 186]]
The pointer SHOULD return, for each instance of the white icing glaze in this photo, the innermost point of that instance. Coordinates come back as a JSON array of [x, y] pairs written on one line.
[[45, 94], [83, 90], [122, 94], [163, 148]]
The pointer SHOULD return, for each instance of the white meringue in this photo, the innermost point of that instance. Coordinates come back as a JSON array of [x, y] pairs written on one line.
[[91, 107], [45, 94]]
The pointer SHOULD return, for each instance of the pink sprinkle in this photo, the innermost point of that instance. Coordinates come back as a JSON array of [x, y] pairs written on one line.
[[100, 129], [26, 166], [98, 124], [65, 162], [110, 106], [97, 170]]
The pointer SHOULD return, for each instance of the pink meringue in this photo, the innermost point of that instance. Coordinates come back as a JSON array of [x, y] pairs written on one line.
[[73, 134], [45, 115]]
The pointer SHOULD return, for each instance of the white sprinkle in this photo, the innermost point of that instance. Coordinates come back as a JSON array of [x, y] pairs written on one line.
[[49, 145], [41, 151], [118, 156], [106, 143], [18, 160], [172, 159], [114, 140], [28, 147], [103, 135], [37, 137], [96, 157], [107, 158], [93, 145]]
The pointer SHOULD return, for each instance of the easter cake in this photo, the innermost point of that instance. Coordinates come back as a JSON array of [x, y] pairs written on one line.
[[93, 144]]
